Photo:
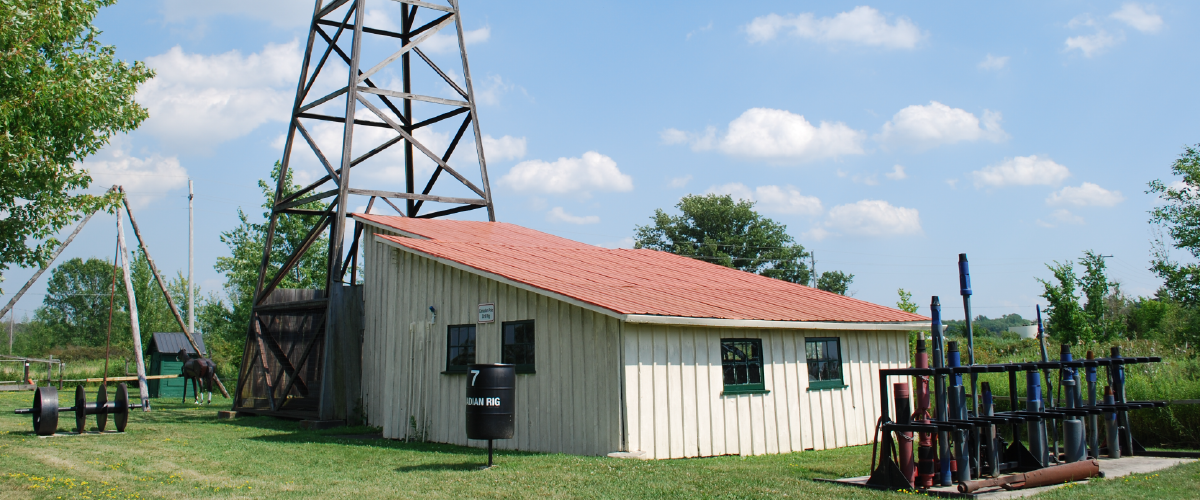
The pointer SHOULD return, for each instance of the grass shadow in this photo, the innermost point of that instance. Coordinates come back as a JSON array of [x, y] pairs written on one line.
[[465, 466]]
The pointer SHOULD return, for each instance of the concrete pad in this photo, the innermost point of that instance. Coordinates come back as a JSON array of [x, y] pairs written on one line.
[[1111, 468]]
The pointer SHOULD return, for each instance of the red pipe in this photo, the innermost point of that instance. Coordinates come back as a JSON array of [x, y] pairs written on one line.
[[905, 439], [923, 477]]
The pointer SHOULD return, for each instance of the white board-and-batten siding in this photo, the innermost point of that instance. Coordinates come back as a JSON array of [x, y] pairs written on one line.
[[570, 405], [601, 384], [676, 409]]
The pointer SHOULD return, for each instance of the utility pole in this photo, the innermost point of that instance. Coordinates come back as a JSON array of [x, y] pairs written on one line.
[[191, 262], [812, 256], [12, 319]]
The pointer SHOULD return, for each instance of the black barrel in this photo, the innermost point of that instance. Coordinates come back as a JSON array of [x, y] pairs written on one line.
[[490, 403]]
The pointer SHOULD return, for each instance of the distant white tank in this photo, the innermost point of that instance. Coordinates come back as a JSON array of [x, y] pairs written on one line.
[[1025, 332]]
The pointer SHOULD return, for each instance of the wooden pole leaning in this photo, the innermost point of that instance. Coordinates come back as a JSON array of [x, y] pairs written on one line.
[[8, 307], [162, 286], [143, 388]]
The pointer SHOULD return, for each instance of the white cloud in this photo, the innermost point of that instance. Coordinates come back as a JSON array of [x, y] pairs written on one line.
[[679, 182], [445, 41], [778, 135], [1087, 194], [282, 13], [626, 242], [699, 30], [491, 89], [673, 136], [198, 101], [1022, 171], [874, 218], [773, 199], [1093, 44], [937, 123], [504, 148], [1139, 17], [592, 171], [863, 26], [1067, 217], [953, 183], [557, 214], [993, 63], [144, 179], [897, 173]]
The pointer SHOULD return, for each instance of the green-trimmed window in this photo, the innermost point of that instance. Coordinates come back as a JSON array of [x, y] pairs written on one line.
[[742, 366], [460, 347], [824, 363], [517, 345]]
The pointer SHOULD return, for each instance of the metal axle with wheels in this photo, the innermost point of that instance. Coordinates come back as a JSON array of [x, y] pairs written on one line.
[[45, 409]]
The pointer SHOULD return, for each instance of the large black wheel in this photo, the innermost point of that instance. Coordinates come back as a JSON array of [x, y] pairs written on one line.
[[45, 411], [101, 408], [121, 409], [80, 409]]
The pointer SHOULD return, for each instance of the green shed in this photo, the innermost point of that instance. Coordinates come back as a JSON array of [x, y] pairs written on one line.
[[164, 347]]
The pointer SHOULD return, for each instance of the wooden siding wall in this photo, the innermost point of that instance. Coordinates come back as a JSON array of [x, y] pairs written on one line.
[[572, 403], [674, 384]]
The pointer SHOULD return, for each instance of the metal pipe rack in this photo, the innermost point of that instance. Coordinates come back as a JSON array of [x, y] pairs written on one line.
[[992, 456]]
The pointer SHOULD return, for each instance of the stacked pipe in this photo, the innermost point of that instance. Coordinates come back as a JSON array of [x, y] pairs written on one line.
[[939, 387], [1073, 435], [1093, 422], [958, 408], [925, 452]]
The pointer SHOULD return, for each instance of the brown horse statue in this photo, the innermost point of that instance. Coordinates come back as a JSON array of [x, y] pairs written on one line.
[[200, 371]]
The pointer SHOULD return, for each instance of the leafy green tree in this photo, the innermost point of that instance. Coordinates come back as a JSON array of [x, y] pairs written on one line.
[[905, 303], [154, 314], [1066, 320], [62, 97], [75, 310], [835, 281], [229, 319], [1180, 215], [715, 228]]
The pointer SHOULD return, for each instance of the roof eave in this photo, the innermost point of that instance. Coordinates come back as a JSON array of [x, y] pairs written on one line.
[[791, 325], [388, 228]]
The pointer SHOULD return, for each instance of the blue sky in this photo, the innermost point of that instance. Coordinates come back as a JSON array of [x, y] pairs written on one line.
[[888, 137]]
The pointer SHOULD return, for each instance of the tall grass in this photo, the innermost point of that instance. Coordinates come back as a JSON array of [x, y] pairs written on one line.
[[1176, 377]]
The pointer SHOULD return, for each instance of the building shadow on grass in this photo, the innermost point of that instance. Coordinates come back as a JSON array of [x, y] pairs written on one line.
[[465, 466]]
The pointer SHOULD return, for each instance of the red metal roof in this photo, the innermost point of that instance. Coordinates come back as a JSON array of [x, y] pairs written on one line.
[[496, 233], [641, 281]]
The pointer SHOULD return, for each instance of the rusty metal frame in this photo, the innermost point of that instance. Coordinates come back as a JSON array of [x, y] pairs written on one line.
[[336, 24]]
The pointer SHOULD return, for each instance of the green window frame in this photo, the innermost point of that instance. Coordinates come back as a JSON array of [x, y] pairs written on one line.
[[824, 356], [460, 348], [517, 345], [742, 366]]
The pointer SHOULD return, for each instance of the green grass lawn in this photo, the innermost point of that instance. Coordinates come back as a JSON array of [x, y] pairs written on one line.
[[182, 451]]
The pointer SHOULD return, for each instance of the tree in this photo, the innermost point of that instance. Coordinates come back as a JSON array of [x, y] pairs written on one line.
[[715, 228], [75, 310], [1066, 321], [905, 303], [835, 281], [228, 322], [1102, 297], [1181, 218], [62, 97]]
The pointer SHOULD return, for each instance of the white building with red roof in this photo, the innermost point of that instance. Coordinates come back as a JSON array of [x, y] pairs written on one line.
[[637, 352]]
